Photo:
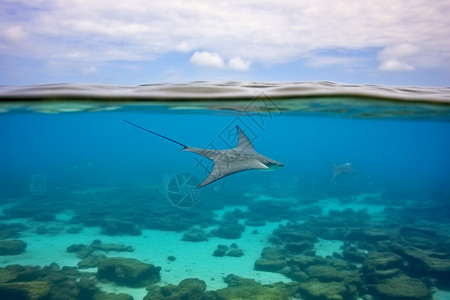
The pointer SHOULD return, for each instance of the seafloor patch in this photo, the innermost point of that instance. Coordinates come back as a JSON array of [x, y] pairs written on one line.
[[359, 247]]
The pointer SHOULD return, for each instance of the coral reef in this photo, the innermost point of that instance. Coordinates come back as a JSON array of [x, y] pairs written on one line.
[[221, 250], [242, 288], [118, 227], [402, 253], [228, 231], [195, 235], [235, 252], [12, 247], [10, 230], [90, 255], [272, 260], [127, 271], [232, 251], [33, 290], [375, 257], [402, 287], [189, 288], [315, 289], [50, 283]]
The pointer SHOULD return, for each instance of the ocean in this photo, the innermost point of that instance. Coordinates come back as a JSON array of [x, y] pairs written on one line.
[[92, 207]]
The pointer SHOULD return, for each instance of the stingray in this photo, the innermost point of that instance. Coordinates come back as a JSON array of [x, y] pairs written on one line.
[[228, 161], [341, 169]]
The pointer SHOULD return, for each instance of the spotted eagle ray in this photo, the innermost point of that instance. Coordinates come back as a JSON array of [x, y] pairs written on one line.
[[228, 161], [341, 169]]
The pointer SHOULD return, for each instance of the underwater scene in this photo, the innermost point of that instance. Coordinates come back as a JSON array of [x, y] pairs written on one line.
[[219, 191]]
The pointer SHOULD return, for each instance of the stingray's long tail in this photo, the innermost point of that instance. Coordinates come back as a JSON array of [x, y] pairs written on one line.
[[160, 135]]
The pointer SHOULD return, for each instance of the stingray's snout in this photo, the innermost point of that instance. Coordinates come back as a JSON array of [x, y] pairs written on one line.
[[273, 165], [278, 165]]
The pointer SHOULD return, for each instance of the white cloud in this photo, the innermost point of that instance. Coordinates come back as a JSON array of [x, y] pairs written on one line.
[[207, 59], [183, 47], [213, 60], [261, 31], [237, 63], [14, 34], [399, 50], [396, 58], [395, 65]]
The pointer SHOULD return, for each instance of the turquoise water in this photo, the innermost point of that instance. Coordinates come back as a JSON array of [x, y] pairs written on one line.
[[72, 171]]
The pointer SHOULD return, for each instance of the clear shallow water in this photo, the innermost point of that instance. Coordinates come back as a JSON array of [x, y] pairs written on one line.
[[67, 151]]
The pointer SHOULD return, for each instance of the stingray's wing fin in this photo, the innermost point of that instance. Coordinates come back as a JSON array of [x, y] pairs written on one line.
[[244, 143], [223, 168]]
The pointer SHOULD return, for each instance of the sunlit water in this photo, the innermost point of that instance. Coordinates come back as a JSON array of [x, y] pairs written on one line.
[[69, 160]]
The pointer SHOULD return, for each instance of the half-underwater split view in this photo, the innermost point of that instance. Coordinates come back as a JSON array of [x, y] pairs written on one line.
[[224, 191], [224, 150]]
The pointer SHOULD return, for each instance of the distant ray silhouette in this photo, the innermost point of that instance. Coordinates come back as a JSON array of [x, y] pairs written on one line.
[[341, 169], [229, 161]]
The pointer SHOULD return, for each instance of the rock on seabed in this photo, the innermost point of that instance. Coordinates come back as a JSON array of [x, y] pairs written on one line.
[[128, 271], [12, 247]]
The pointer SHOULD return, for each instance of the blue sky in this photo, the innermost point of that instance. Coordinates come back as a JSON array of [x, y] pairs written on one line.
[[404, 42]]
